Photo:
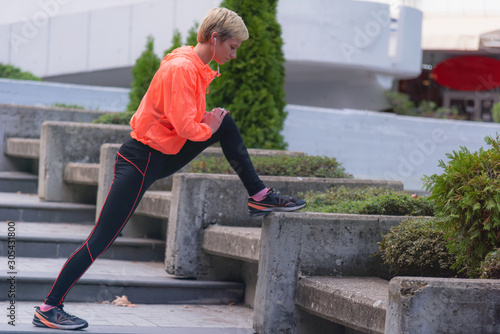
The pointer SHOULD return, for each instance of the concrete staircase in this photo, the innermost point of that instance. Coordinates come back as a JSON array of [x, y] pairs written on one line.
[[46, 233]]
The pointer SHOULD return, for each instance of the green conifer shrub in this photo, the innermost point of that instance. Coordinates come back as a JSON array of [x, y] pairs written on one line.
[[251, 86], [490, 267], [12, 72], [143, 71], [467, 197], [417, 247], [176, 42]]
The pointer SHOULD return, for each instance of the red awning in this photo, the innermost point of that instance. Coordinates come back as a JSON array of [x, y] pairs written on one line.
[[468, 73]]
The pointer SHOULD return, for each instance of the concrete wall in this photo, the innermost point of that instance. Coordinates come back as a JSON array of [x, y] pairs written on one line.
[[440, 305], [375, 145], [370, 145], [295, 244], [222, 200], [35, 93], [26, 122], [63, 142]]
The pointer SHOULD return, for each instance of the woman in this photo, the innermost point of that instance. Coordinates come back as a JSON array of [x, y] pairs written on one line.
[[169, 129]]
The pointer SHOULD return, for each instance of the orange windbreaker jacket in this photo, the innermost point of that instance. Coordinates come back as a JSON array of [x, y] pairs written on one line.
[[171, 111]]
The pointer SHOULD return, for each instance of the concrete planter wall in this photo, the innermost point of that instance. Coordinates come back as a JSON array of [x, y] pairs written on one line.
[[26, 122], [199, 200], [63, 142], [443, 305]]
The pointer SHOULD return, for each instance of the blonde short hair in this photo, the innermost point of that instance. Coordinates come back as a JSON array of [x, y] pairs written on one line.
[[226, 23]]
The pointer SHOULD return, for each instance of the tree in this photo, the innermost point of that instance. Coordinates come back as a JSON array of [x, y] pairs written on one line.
[[143, 71], [176, 42], [12, 72], [251, 86]]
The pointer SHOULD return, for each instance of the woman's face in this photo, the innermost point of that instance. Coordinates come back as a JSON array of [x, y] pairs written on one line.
[[226, 50]]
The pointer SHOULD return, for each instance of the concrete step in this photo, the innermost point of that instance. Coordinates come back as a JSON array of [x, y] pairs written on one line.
[[59, 240], [28, 148], [82, 173], [141, 282], [355, 302], [241, 243], [155, 204], [18, 182], [29, 208]]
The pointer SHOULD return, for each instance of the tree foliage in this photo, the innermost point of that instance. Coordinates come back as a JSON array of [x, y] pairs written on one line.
[[467, 197], [12, 72], [251, 86], [143, 71]]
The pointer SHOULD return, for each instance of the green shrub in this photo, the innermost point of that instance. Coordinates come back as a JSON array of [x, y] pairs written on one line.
[[12, 72], [279, 165], [490, 267], [400, 103], [252, 85], [368, 200], [67, 106], [467, 197], [115, 118], [417, 247], [495, 112], [398, 204], [143, 72], [176, 42], [192, 36]]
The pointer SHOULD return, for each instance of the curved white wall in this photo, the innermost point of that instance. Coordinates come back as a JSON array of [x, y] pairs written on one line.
[[339, 53]]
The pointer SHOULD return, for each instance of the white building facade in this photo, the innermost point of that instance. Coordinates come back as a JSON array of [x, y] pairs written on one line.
[[339, 53]]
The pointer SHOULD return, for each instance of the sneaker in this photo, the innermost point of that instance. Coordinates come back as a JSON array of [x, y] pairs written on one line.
[[273, 202], [55, 317]]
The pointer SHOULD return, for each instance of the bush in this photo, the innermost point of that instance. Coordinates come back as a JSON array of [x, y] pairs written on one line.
[[490, 268], [417, 247], [11, 72], [495, 112], [67, 106], [398, 204], [467, 197], [176, 42], [115, 118], [252, 85], [143, 72], [368, 200], [279, 165], [400, 103]]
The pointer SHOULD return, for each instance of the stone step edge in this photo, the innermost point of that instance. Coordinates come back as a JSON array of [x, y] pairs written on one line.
[[109, 329], [356, 302], [122, 241], [18, 176], [240, 243], [129, 281]]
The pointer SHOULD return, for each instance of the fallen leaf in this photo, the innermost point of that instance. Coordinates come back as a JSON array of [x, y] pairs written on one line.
[[123, 301]]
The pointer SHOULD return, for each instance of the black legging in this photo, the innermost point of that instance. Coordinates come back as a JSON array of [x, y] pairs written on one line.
[[137, 166]]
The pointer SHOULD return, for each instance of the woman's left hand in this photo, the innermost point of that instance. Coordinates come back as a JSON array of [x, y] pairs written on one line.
[[214, 118]]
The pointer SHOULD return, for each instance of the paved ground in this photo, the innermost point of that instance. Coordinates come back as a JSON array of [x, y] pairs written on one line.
[[108, 318]]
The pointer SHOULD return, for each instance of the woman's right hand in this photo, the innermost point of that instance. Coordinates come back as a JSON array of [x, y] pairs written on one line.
[[214, 118]]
